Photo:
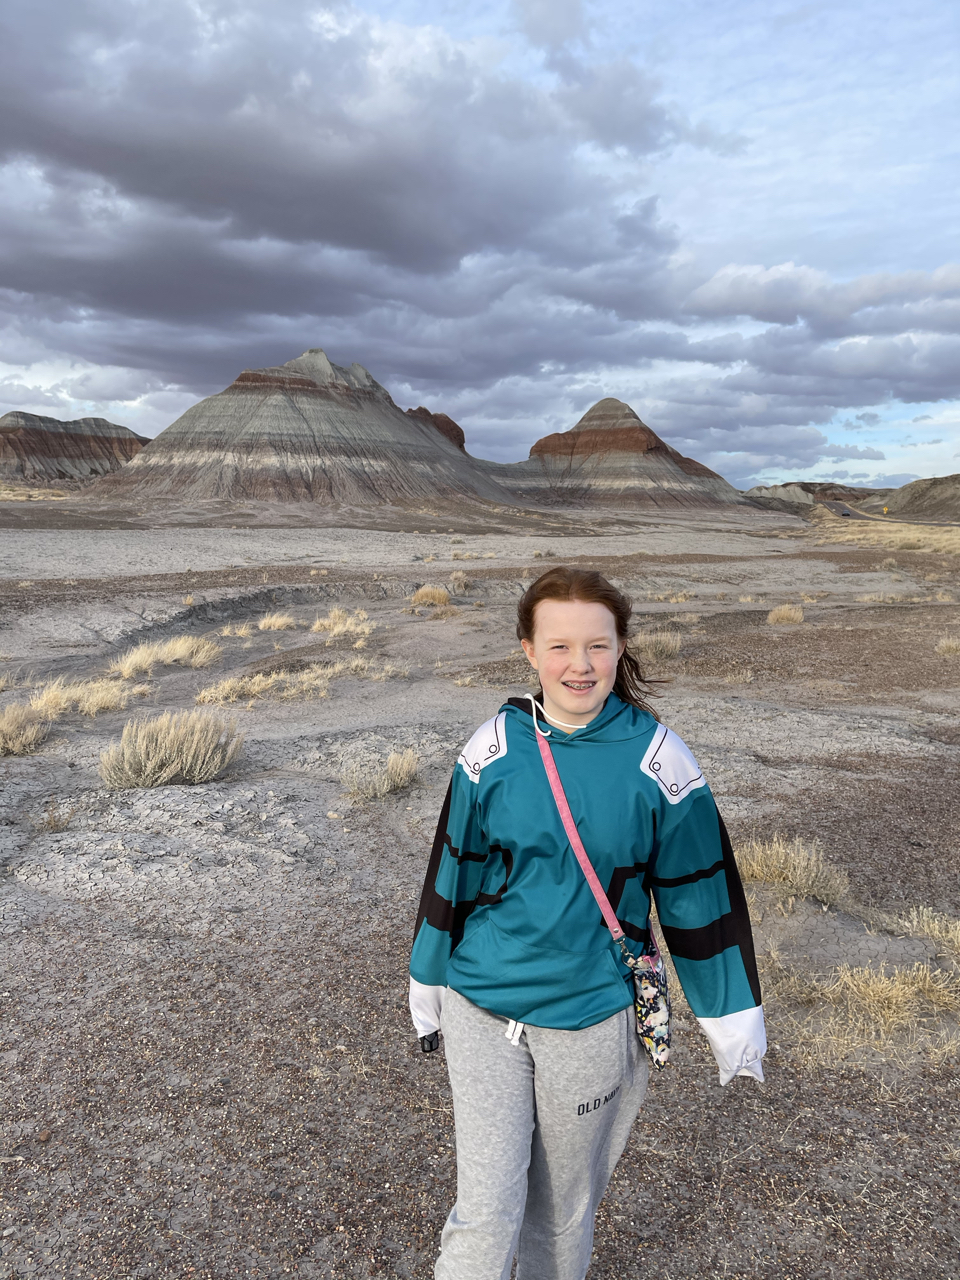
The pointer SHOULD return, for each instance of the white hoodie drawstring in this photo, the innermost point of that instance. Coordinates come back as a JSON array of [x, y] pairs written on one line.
[[514, 1031], [544, 733]]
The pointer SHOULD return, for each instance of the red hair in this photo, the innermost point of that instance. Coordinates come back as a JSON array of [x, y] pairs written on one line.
[[590, 587]]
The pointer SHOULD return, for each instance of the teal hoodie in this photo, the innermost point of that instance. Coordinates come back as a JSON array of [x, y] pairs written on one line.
[[507, 918]]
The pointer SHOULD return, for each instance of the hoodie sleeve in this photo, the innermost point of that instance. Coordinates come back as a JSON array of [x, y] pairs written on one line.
[[703, 911], [451, 890]]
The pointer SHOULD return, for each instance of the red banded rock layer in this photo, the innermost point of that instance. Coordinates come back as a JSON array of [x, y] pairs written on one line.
[[307, 430], [446, 426], [611, 458], [35, 448]]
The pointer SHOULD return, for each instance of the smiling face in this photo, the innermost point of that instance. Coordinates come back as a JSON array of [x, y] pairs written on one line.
[[574, 650]]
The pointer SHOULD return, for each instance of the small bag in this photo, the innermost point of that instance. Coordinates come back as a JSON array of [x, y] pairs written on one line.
[[650, 995]]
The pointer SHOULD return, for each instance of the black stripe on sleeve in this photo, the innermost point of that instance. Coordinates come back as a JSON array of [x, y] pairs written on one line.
[[738, 908], [692, 878], [439, 912], [731, 930], [429, 897], [700, 944]]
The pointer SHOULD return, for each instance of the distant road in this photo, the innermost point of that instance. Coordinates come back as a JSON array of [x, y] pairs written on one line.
[[844, 509]]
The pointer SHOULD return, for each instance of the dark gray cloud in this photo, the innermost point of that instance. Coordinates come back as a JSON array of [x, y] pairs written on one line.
[[189, 188]]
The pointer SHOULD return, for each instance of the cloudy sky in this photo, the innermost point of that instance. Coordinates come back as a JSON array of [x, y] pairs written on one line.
[[741, 217]]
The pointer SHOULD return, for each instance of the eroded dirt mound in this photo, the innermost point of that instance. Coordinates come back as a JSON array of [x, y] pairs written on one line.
[[935, 499], [307, 430], [38, 449]]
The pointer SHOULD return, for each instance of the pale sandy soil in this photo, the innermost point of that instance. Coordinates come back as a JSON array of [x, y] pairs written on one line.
[[207, 1067]]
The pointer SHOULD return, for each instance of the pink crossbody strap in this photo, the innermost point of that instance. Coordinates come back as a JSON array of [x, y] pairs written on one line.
[[573, 835]]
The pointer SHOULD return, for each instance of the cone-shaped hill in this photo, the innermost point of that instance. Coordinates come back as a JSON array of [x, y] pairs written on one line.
[[611, 458], [307, 430], [35, 448]]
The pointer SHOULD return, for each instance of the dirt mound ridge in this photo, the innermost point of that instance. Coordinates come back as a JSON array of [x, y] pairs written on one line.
[[611, 458], [807, 492], [35, 448], [307, 430], [937, 498]]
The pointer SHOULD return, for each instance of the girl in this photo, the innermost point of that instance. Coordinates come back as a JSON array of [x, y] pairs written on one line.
[[511, 956]]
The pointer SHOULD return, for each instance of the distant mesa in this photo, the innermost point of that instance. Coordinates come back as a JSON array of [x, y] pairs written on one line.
[[309, 430], [40, 450], [612, 458]]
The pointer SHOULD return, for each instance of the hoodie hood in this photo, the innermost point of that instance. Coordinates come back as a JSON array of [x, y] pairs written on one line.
[[618, 721]]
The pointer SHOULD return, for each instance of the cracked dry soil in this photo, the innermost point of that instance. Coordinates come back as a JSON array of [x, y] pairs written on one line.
[[206, 1062]]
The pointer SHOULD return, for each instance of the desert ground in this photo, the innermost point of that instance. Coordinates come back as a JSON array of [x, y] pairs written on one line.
[[206, 1063]]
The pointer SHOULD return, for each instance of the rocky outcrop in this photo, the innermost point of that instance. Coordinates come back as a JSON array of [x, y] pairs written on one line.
[[611, 458], [40, 450], [307, 430], [446, 426]]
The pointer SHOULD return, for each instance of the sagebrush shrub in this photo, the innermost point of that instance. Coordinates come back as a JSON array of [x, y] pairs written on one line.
[[182, 747]]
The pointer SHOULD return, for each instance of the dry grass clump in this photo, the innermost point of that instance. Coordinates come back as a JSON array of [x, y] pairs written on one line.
[[797, 866], [656, 645], [184, 651], [857, 1009], [428, 594], [176, 748], [894, 535], [740, 675], [785, 614], [8, 681], [370, 783], [56, 698], [17, 493], [54, 818], [277, 622], [460, 555], [948, 646], [310, 682], [240, 629], [22, 730], [443, 612], [339, 622], [924, 922], [459, 582]]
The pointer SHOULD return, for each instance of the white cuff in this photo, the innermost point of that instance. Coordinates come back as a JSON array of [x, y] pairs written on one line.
[[426, 1005], [738, 1041]]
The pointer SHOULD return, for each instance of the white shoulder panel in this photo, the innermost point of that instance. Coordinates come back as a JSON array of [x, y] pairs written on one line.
[[489, 743], [670, 761]]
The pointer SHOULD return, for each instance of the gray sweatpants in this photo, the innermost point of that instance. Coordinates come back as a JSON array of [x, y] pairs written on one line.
[[540, 1128]]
